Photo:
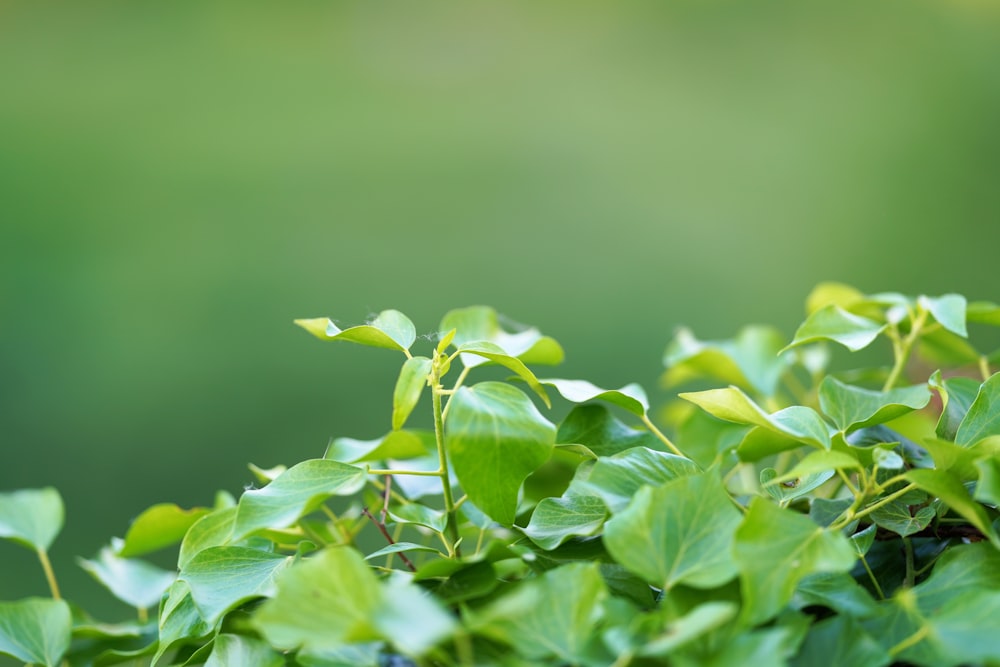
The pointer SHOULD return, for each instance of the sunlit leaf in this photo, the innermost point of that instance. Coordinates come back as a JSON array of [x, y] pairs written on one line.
[[410, 384], [399, 547], [496, 354], [158, 527], [229, 650], [35, 630], [555, 520], [418, 514], [481, 323], [953, 493], [948, 310], [832, 293], [983, 417], [179, 619], [852, 407], [896, 517], [496, 438], [135, 582], [402, 444], [957, 395], [211, 530], [295, 493], [788, 487], [390, 329], [983, 312], [775, 549], [680, 532], [616, 479], [834, 323], [222, 578], [631, 397], [31, 517]]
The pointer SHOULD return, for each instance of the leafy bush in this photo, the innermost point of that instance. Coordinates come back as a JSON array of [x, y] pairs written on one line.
[[797, 515]]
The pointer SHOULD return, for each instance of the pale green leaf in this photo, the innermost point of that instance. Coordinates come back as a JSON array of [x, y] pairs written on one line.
[[410, 384], [616, 479], [35, 630], [553, 615], [481, 323], [788, 487], [950, 490], [631, 397], [677, 533], [832, 293], [960, 571], [135, 582], [948, 310], [775, 549], [349, 655], [31, 517], [988, 488], [400, 547], [211, 530], [390, 329], [231, 650], [834, 323], [983, 418], [594, 427], [158, 527], [496, 438], [403, 444], [496, 354], [222, 578], [555, 520], [411, 619], [698, 622], [296, 492], [852, 407]]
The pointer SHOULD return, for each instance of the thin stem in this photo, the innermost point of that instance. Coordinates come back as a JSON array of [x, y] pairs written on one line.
[[463, 649], [901, 347], [910, 577], [847, 480], [50, 576], [421, 473], [335, 520], [388, 537], [984, 367], [871, 508], [385, 497], [143, 615], [458, 383], [871, 575], [913, 639], [659, 434], [449, 501]]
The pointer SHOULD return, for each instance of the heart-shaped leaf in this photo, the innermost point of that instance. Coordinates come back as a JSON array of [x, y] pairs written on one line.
[[834, 323], [852, 407], [35, 630], [390, 329], [632, 397], [222, 578], [31, 517], [555, 520]]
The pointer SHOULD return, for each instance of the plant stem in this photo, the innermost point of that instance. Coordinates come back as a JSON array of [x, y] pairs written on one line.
[[984, 367], [915, 638], [388, 538], [143, 615], [449, 501], [849, 515], [871, 575], [335, 520], [910, 577], [901, 348], [50, 576], [659, 434], [422, 473], [458, 383]]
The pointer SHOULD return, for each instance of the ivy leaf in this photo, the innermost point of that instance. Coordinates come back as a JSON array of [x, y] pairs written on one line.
[[680, 532], [496, 354], [481, 323], [983, 418], [852, 407], [418, 514], [31, 517], [157, 527], [293, 494], [402, 444], [953, 493], [222, 578], [957, 395], [555, 520], [896, 517], [400, 547], [818, 462], [797, 422], [594, 427], [788, 487], [840, 642], [832, 322], [179, 619], [775, 549], [496, 438], [631, 397], [960, 571], [35, 630], [135, 582], [751, 360], [552, 615], [211, 530], [988, 488], [616, 479], [390, 329], [832, 293], [409, 387], [244, 651], [948, 310], [837, 591]]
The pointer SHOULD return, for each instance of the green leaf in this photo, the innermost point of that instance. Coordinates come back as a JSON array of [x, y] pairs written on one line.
[[390, 329], [983, 418], [31, 517], [983, 312], [348, 655], [404, 444], [158, 527], [957, 395], [552, 615], [851, 407], [677, 533], [481, 323], [555, 520], [135, 582], [421, 515], [948, 310], [832, 293], [497, 355], [775, 549], [616, 479], [496, 438], [840, 642], [179, 620], [817, 462], [334, 598], [243, 651], [35, 630], [834, 323], [988, 488], [679, 631], [295, 493], [412, 380], [964, 631], [953, 493], [788, 487], [863, 540], [797, 422], [631, 397], [594, 427], [750, 361], [211, 530], [896, 517], [837, 591], [960, 571], [222, 578], [400, 547]]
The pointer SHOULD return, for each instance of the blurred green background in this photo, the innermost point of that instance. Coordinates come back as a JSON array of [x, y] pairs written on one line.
[[179, 180]]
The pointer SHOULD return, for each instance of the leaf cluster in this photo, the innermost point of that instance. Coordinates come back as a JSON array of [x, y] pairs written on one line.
[[796, 515]]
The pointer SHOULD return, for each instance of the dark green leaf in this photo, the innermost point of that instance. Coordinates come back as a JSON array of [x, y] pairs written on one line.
[[896, 517], [412, 380], [983, 418], [496, 438], [31, 517], [222, 578], [834, 323], [555, 520], [35, 630], [594, 427], [840, 642], [617, 478], [851, 407], [680, 532], [158, 527]]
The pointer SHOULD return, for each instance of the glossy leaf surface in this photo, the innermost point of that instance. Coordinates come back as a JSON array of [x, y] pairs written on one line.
[[390, 329], [855, 407], [221, 578], [834, 323]]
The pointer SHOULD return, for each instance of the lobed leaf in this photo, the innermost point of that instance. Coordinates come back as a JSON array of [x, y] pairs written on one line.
[[852, 408], [594, 427], [983, 417], [496, 438], [896, 517], [31, 517], [616, 479], [497, 355], [946, 487], [555, 520], [35, 630]]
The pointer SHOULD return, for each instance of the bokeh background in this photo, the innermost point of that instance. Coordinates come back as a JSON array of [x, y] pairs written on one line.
[[179, 180]]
